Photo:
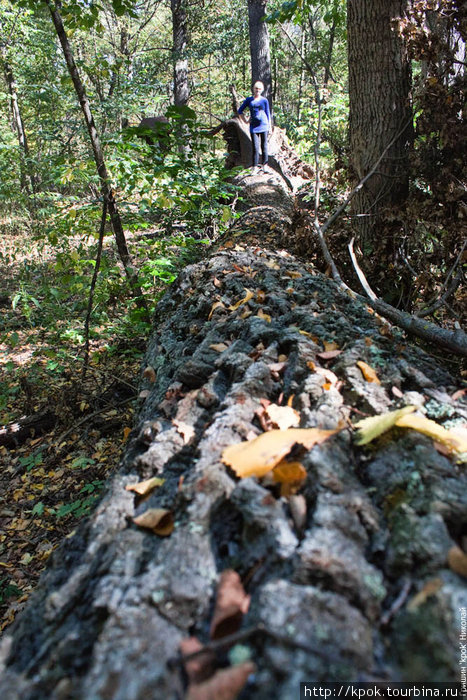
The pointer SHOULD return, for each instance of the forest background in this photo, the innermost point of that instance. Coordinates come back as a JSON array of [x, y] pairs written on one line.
[[75, 305]]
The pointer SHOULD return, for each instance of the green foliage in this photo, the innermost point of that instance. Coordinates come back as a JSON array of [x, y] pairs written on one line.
[[8, 590]]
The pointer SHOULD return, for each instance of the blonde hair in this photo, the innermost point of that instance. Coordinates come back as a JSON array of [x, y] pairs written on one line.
[[260, 84]]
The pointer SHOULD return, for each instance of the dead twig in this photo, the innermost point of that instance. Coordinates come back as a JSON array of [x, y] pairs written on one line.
[[260, 629], [360, 273], [93, 286]]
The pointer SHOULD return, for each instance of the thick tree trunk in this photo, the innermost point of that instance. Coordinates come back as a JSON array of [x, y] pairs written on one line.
[[349, 578], [104, 177], [379, 92], [180, 61], [259, 46]]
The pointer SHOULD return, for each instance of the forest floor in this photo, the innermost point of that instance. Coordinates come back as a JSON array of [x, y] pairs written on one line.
[[49, 481]]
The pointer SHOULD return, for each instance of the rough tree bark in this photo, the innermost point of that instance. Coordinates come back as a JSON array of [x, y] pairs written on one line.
[[332, 597], [379, 99], [259, 46]]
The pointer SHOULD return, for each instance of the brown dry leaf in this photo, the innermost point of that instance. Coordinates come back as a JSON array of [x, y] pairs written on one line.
[[327, 374], [329, 354], [260, 296], [293, 274], [266, 317], [430, 588], [311, 365], [216, 305], [126, 433], [249, 295], [298, 511], [219, 347], [159, 520], [150, 374], [185, 430], [272, 265], [371, 428], [454, 440], [368, 372], [329, 346], [283, 417], [276, 368], [232, 604], [457, 560], [200, 667], [217, 283], [225, 684], [257, 457], [142, 488]]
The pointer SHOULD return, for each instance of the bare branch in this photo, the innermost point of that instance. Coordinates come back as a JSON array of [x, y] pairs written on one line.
[[360, 273]]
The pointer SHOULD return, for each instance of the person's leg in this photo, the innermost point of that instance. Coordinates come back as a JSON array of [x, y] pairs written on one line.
[[264, 146], [255, 148]]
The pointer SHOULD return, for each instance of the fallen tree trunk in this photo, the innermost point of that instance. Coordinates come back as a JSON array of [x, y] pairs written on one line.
[[353, 578], [20, 430]]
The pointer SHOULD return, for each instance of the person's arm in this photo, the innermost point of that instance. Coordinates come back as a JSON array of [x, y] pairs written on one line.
[[244, 104], [268, 114]]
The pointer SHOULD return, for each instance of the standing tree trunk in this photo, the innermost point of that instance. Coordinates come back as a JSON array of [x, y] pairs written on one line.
[[104, 177], [18, 125], [259, 45], [348, 577], [180, 43], [379, 92]]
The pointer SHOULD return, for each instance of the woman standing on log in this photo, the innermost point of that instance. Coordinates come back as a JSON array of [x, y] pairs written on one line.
[[260, 123]]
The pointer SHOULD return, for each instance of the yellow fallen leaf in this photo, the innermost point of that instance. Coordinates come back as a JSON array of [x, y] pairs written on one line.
[[126, 432], [142, 488], [249, 295], [289, 472], [454, 441], [457, 560], [159, 520], [216, 305], [293, 274], [257, 457], [330, 346], [371, 428], [283, 417], [430, 588], [368, 372], [266, 317]]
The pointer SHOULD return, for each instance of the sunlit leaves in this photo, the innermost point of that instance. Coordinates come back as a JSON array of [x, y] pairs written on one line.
[[259, 456], [371, 428], [455, 441]]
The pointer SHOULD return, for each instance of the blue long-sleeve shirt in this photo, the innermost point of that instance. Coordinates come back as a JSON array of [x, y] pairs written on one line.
[[260, 113]]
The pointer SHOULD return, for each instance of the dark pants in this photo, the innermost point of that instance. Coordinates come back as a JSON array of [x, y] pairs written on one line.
[[255, 139]]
